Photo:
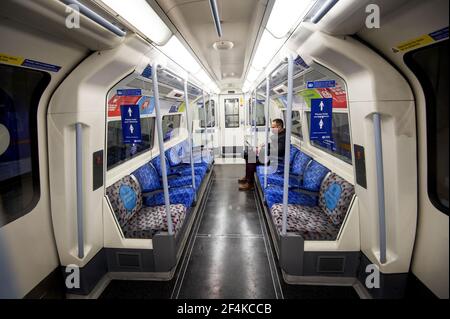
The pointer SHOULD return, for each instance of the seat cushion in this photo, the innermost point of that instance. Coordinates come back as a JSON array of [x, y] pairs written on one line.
[[185, 169], [126, 199], [182, 181], [150, 220], [309, 222], [181, 195], [274, 195], [314, 175], [278, 180], [148, 178], [270, 170], [335, 197]]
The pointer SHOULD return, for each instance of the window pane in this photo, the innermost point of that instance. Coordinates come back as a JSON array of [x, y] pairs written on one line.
[[171, 126], [296, 124], [118, 152], [231, 113], [340, 146], [211, 114], [260, 116], [232, 121], [430, 65], [20, 92]]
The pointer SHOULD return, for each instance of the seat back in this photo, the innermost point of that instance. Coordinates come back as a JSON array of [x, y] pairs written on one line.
[[335, 197], [314, 175], [293, 151], [148, 178], [300, 162], [174, 155], [126, 199], [157, 164]]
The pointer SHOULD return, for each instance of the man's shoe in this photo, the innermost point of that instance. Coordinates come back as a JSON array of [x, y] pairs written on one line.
[[242, 180], [246, 187]]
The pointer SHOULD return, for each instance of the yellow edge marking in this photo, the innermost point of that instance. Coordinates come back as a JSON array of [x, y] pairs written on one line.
[[9, 59], [414, 43]]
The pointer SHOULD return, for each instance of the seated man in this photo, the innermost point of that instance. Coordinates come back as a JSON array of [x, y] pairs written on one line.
[[276, 152]]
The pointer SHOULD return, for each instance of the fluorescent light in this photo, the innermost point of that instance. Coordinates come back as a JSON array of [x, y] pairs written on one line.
[[246, 86], [203, 77], [177, 52], [139, 14], [285, 15], [267, 48], [252, 74]]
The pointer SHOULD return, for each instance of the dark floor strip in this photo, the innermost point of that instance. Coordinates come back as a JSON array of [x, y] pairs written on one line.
[[229, 258]]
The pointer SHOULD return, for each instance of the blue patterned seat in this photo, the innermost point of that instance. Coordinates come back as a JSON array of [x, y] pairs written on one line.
[[185, 169], [136, 220], [321, 222], [312, 179], [313, 176], [180, 189], [177, 195], [298, 167], [274, 195], [200, 157], [183, 181], [176, 179]]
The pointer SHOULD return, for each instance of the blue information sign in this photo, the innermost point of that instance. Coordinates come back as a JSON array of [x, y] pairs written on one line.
[[440, 34], [321, 119], [321, 84], [131, 124], [147, 73], [129, 92]]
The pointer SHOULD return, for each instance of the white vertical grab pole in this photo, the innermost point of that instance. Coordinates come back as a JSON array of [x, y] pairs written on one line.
[[205, 145], [288, 141], [161, 147], [254, 121], [380, 185], [79, 182], [210, 116], [266, 115], [189, 128]]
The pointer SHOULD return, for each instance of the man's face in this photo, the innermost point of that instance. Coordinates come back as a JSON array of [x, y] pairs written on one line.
[[275, 128]]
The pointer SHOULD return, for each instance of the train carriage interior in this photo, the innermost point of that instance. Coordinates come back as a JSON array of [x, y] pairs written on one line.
[[224, 149]]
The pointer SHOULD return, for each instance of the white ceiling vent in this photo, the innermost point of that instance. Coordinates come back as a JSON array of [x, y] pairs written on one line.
[[175, 94], [280, 89]]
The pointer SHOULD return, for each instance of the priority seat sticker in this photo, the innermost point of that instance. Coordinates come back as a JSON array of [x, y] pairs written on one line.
[[29, 63], [422, 41]]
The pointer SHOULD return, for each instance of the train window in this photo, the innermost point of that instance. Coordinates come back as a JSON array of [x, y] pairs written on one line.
[[171, 126], [296, 123], [231, 113], [211, 114], [430, 64], [340, 146], [20, 92], [118, 152], [260, 116]]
